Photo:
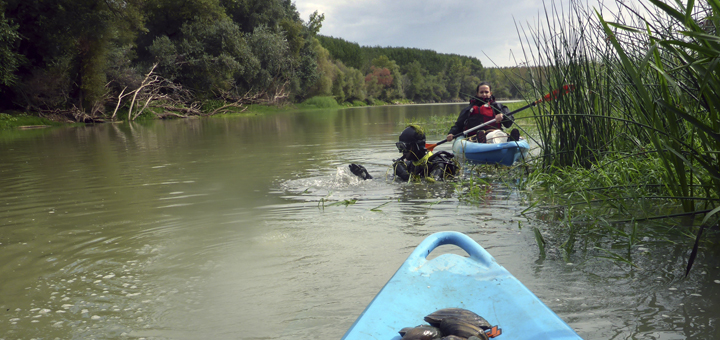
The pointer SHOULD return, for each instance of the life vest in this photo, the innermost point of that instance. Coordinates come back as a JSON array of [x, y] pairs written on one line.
[[479, 115]]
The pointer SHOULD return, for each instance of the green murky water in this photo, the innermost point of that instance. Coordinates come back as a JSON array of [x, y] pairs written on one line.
[[214, 229]]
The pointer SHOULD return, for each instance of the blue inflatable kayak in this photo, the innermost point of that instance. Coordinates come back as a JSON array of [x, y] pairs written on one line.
[[476, 283], [483, 153]]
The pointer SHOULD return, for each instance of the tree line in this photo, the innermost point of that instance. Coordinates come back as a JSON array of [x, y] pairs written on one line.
[[90, 59]]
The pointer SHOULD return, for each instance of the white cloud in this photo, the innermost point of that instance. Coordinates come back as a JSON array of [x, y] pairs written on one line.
[[471, 28]]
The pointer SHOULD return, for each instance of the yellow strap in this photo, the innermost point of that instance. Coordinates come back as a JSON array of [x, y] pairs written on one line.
[[424, 160]]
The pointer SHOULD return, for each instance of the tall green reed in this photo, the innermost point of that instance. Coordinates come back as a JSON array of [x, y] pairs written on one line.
[[648, 88], [675, 83], [639, 139]]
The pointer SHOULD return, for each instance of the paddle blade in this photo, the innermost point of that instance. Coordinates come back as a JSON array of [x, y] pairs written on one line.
[[556, 93], [430, 147]]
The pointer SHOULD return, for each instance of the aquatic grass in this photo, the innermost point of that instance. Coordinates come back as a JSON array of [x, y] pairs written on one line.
[[615, 258], [379, 206], [473, 190], [12, 121], [346, 203], [319, 102], [540, 241], [639, 140]]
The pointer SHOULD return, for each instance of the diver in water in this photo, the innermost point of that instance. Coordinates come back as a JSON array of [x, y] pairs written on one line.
[[416, 162]]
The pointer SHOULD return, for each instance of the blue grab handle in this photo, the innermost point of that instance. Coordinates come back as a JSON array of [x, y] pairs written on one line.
[[476, 252]]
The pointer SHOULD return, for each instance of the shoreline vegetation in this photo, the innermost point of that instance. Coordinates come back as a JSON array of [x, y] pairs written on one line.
[[26, 121], [630, 160], [100, 61]]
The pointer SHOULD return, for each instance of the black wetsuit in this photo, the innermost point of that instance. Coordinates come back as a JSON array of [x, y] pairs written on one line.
[[439, 166]]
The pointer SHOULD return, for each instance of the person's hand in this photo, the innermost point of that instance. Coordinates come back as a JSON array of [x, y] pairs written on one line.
[[360, 171], [499, 117], [450, 137]]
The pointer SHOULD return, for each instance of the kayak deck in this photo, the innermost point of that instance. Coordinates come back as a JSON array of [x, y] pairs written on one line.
[[476, 283]]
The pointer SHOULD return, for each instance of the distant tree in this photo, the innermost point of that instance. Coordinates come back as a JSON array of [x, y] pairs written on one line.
[[456, 72], [436, 90], [468, 87], [382, 75], [377, 81], [353, 82], [349, 53], [326, 71], [394, 89], [417, 88]]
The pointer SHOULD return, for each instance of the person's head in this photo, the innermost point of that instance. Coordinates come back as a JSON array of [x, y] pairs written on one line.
[[484, 90], [412, 143]]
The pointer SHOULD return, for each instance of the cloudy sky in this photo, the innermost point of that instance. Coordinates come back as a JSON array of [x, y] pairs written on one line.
[[473, 28]]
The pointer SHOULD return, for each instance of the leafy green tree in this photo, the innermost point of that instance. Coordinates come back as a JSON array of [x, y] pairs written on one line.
[[338, 86], [168, 17], [348, 53], [315, 23], [74, 36], [469, 86], [304, 38], [456, 73], [272, 50], [354, 82], [436, 90], [380, 78], [251, 14], [324, 83], [9, 59], [208, 59], [417, 88], [294, 35], [393, 90]]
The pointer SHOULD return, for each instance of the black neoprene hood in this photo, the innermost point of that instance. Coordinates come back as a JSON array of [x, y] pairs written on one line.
[[410, 135]]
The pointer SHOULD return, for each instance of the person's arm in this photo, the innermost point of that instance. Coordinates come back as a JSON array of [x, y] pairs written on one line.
[[507, 121], [460, 123], [360, 171], [400, 169]]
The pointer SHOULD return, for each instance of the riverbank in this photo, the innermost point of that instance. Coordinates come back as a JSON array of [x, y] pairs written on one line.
[[24, 121]]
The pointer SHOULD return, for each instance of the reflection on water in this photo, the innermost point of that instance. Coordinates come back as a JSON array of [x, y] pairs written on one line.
[[227, 228]]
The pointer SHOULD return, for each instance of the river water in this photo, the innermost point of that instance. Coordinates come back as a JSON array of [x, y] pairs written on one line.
[[234, 228]]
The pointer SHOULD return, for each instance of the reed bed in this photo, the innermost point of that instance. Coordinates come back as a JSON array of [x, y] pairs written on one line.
[[638, 138]]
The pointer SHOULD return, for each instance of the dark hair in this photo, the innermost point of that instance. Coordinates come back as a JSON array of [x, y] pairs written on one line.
[[483, 84]]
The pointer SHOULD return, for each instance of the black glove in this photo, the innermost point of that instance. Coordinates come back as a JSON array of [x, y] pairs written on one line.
[[360, 171]]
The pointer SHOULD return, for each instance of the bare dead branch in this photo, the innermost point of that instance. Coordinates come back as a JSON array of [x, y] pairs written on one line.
[[143, 108], [120, 97], [168, 114], [144, 84]]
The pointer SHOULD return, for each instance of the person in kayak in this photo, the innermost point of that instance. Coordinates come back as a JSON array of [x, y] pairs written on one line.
[[482, 109], [416, 162]]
